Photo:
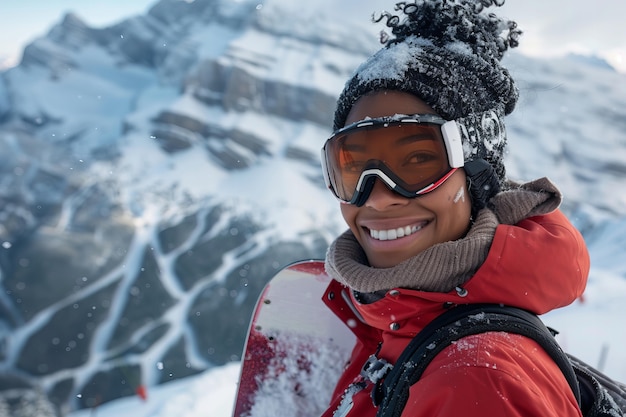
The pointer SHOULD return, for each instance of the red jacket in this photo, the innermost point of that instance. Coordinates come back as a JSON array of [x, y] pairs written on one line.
[[539, 264]]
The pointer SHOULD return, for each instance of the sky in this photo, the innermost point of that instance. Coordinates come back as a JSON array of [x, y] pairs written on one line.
[[551, 27]]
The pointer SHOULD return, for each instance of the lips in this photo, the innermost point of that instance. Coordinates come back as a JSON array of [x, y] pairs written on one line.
[[393, 234]]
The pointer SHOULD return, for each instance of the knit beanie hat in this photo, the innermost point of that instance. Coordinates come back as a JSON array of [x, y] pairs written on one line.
[[447, 53]]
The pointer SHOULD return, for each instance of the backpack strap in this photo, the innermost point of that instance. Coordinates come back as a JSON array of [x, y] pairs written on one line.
[[392, 393]]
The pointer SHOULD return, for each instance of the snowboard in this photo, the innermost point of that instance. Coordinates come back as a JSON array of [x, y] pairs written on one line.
[[296, 348]]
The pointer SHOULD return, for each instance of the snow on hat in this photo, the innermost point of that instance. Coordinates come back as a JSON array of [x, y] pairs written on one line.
[[447, 53]]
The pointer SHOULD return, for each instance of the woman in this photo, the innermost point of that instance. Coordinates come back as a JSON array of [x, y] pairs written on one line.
[[416, 161]]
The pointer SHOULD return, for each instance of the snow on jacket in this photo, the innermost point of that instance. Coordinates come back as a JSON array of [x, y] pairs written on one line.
[[490, 374]]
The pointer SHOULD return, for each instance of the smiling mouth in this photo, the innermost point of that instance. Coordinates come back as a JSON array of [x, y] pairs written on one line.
[[393, 234]]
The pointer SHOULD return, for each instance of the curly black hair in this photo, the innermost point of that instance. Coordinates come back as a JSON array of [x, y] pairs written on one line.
[[446, 21]]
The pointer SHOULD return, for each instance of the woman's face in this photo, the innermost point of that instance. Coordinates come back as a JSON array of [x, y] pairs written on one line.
[[439, 216]]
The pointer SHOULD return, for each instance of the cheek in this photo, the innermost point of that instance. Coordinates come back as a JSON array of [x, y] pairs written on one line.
[[452, 209], [459, 209], [460, 201]]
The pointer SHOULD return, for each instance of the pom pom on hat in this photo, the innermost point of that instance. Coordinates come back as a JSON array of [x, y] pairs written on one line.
[[447, 53]]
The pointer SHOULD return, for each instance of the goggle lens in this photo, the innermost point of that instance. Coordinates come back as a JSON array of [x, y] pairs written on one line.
[[409, 156]]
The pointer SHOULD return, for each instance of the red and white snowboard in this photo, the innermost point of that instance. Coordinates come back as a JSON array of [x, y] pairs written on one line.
[[296, 347]]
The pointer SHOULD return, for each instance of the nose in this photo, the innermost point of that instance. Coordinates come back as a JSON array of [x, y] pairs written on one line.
[[382, 197]]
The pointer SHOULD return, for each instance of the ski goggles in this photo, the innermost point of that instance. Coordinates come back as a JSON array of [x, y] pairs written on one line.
[[412, 155]]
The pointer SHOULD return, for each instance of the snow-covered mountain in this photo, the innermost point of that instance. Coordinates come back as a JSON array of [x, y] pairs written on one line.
[[157, 172]]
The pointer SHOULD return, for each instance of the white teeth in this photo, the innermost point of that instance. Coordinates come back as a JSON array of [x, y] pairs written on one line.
[[393, 234]]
